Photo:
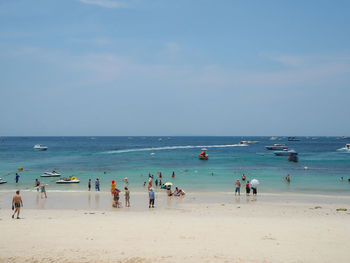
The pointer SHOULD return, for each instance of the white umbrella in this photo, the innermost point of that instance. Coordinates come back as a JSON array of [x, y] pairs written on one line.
[[168, 183], [254, 183]]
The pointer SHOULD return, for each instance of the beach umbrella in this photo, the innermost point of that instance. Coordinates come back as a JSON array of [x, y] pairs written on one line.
[[168, 183], [254, 183]]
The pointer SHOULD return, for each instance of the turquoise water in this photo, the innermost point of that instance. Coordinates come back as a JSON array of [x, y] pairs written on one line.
[[111, 158]]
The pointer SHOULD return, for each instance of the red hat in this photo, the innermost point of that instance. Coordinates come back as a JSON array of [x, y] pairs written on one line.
[[113, 181]]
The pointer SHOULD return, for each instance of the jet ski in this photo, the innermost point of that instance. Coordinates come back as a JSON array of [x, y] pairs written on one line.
[[51, 174], [70, 180]]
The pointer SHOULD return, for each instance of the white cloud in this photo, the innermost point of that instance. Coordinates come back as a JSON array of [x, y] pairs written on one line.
[[105, 3]]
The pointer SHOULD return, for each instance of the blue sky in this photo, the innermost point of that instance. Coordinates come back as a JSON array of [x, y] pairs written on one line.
[[158, 67]]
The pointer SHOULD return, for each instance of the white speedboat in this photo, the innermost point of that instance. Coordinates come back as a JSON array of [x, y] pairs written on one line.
[[2, 181], [273, 138], [346, 148], [293, 139], [70, 180], [51, 174], [285, 152], [277, 147], [40, 147]]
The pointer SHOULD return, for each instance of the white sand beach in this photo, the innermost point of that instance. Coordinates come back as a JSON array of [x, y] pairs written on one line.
[[284, 231]]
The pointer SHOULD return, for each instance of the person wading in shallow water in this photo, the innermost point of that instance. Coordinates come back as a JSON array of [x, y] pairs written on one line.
[[16, 204]]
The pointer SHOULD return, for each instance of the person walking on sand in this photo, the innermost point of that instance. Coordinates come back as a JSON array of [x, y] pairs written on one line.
[[238, 187], [151, 196], [43, 190], [37, 184], [247, 188], [127, 197], [97, 184], [16, 204], [89, 185], [17, 178]]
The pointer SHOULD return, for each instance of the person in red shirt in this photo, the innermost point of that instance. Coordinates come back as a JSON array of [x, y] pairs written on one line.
[[238, 187]]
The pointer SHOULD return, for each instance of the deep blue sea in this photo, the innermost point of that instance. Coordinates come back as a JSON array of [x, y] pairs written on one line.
[[111, 158]]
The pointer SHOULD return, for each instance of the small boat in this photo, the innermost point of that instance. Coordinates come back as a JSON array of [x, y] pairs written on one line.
[[346, 148], [160, 139], [51, 174], [273, 138], [252, 142], [2, 181], [243, 143], [277, 147], [70, 180], [203, 155], [293, 157], [293, 139], [284, 152], [345, 137], [40, 147]]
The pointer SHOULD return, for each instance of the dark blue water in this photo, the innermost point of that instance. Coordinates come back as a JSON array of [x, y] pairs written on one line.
[[134, 157]]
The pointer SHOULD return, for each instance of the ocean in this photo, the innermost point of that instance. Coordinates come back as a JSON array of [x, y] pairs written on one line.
[[318, 171]]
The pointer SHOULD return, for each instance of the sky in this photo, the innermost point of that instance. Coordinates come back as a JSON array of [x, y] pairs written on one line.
[[184, 67]]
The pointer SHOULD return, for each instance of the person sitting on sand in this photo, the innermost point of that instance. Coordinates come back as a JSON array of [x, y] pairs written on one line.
[[16, 204], [127, 197], [176, 192], [168, 190]]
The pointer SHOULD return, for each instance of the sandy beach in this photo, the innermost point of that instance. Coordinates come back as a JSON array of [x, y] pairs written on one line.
[[180, 231]]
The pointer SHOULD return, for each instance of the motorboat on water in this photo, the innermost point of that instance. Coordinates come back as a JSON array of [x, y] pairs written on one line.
[[70, 180], [273, 138], [277, 147], [346, 148], [51, 174], [2, 181], [252, 142], [285, 152], [293, 139], [203, 155], [40, 147], [243, 143]]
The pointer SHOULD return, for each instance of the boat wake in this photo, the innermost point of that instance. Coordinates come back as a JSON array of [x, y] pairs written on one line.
[[173, 148]]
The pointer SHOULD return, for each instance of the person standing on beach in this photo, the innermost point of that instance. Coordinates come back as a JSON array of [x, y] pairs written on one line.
[[97, 184], [247, 188], [17, 177], [16, 204], [127, 197], [156, 182], [151, 196], [116, 197], [37, 184], [89, 185], [238, 187], [43, 190]]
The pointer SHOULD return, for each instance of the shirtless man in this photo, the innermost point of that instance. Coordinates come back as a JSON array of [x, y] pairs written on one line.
[[17, 203]]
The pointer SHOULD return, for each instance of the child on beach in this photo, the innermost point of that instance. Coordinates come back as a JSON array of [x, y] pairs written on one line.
[[127, 197]]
